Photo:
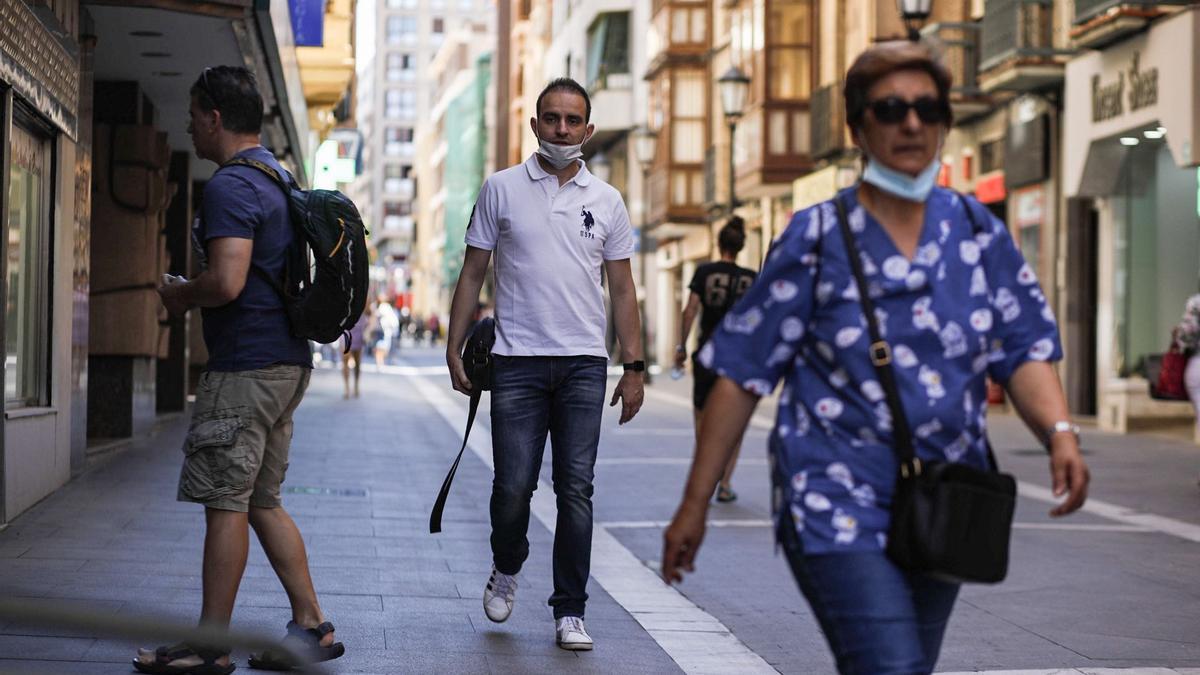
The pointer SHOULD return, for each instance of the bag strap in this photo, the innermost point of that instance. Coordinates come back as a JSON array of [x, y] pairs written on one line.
[[881, 353], [435, 516]]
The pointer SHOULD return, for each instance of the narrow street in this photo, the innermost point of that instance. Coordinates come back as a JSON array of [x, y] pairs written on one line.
[[1113, 587]]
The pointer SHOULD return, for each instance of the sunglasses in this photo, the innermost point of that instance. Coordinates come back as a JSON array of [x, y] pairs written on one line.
[[894, 110]]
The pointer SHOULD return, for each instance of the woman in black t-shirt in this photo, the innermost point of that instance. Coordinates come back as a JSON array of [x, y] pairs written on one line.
[[716, 287]]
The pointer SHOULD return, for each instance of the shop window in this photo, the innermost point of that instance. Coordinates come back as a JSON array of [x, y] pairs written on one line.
[[991, 156], [27, 329], [608, 48]]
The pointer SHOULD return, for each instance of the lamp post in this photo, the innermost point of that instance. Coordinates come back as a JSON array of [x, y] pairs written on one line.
[[645, 144], [735, 85], [914, 13]]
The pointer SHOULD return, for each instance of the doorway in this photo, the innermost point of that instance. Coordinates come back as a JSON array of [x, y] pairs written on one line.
[[1082, 272]]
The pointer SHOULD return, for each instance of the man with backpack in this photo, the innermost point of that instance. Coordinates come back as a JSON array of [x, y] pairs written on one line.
[[555, 229], [236, 449]]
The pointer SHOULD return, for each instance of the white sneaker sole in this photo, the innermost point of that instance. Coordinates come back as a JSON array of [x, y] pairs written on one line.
[[494, 619], [576, 646]]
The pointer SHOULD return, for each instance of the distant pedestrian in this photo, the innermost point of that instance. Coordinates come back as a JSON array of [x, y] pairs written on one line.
[[387, 329], [435, 329], [555, 229], [954, 303], [1187, 338], [236, 451], [715, 287], [353, 343]]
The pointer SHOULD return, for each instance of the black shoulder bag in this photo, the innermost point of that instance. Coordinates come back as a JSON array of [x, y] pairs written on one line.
[[948, 520], [477, 361]]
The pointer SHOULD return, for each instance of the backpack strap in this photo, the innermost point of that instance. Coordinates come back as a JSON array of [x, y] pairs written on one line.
[[285, 183]]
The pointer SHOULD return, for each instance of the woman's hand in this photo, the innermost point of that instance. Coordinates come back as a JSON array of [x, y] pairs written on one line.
[[1068, 473], [681, 540]]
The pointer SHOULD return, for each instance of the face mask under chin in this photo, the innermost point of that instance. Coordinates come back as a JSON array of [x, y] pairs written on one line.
[[560, 156], [898, 183]]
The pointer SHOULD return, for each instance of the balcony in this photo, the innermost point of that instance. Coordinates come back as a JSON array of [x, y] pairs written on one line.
[[1017, 47], [773, 148], [828, 121], [399, 188], [961, 57], [1100, 22]]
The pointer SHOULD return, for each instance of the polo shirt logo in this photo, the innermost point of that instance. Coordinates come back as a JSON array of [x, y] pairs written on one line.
[[588, 223]]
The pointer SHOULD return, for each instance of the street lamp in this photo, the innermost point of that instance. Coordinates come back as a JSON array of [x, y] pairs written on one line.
[[914, 13], [735, 85], [645, 144]]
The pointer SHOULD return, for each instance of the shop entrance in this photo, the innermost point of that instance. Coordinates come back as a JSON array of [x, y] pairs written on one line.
[[1082, 263]]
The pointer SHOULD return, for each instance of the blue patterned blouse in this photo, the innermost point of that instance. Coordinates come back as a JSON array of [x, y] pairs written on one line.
[[965, 305]]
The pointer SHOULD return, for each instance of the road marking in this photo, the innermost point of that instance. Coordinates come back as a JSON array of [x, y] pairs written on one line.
[[1084, 671], [753, 522], [1163, 524], [697, 641]]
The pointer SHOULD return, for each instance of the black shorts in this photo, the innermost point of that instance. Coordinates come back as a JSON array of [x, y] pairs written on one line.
[[703, 380]]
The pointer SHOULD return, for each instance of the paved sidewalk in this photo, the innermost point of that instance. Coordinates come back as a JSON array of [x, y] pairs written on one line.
[[363, 475]]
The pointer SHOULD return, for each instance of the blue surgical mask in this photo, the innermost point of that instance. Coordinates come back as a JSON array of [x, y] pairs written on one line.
[[900, 184]]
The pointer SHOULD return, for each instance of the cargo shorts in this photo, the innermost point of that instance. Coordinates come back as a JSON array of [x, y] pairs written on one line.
[[236, 450]]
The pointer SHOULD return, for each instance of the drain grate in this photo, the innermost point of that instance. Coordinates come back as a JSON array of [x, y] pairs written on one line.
[[325, 492]]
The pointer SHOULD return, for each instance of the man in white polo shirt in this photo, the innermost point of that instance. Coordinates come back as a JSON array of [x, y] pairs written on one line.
[[554, 228]]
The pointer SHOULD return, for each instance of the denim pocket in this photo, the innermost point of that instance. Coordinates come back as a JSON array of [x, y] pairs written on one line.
[[215, 465]]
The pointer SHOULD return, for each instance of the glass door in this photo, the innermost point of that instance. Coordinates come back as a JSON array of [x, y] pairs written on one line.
[[27, 249]]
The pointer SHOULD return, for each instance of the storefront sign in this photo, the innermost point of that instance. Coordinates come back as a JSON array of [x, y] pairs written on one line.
[[1108, 100], [1029, 206], [1144, 81], [990, 189], [38, 67], [308, 22]]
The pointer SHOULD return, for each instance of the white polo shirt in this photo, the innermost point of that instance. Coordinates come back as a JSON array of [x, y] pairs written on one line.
[[549, 245]]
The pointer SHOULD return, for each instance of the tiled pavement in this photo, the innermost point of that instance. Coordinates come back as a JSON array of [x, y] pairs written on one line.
[[362, 476]]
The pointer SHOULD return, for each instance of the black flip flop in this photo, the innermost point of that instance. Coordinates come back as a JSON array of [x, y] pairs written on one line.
[[726, 495], [305, 642], [163, 656]]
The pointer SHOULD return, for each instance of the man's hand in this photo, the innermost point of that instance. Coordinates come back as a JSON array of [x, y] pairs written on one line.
[[168, 291], [458, 374], [629, 392], [1068, 472], [681, 541]]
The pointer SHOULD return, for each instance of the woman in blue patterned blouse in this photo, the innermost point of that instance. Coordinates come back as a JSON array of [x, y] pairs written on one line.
[[956, 302]]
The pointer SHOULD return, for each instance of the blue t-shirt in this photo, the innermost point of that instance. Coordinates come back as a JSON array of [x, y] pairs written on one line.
[[966, 305], [252, 331]]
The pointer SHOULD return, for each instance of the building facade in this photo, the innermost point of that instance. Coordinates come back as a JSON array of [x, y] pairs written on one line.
[[100, 184]]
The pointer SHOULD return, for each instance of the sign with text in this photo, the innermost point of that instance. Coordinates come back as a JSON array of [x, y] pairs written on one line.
[[308, 22]]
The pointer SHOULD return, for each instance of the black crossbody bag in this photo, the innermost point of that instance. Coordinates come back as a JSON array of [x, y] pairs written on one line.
[[477, 361], [948, 520]]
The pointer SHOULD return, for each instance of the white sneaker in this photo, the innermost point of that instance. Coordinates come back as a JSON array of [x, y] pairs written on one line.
[[570, 634], [498, 595]]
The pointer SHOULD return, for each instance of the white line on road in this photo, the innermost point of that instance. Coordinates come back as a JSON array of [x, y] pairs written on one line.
[[694, 639], [1162, 524], [754, 522], [1085, 671]]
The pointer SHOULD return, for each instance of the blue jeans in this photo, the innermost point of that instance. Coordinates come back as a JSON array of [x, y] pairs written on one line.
[[533, 396], [878, 619]]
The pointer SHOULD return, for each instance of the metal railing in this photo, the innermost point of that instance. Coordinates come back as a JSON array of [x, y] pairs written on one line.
[[961, 55], [828, 120], [1085, 10], [1018, 29]]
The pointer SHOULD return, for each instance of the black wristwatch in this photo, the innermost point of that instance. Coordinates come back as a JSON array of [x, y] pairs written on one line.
[[635, 366]]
